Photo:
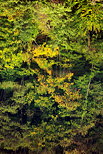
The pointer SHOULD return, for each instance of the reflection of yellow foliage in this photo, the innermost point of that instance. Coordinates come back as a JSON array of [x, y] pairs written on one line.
[[69, 75], [26, 57], [59, 88], [42, 62], [85, 128], [45, 51], [42, 55], [72, 152], [42, 89], [33, 133], [12, 14], [16, 32], [66, 98], [58, 98], [67, 101], [51, 90]]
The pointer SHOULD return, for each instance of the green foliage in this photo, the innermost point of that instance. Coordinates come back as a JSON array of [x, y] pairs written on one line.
[[51, 65]]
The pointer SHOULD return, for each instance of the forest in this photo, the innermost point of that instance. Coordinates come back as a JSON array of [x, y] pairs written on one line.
[[51, 76]]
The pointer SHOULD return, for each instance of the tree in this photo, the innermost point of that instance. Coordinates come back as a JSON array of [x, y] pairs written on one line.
[[51, 72]]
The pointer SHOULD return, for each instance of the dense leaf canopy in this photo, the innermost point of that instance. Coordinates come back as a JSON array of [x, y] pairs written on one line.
[[51, 75]]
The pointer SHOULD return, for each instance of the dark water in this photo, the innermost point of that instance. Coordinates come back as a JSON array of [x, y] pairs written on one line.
[[57, 150]]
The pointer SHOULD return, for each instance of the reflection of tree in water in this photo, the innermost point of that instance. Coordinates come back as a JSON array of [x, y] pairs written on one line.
[[61, 68], [39, 106]]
